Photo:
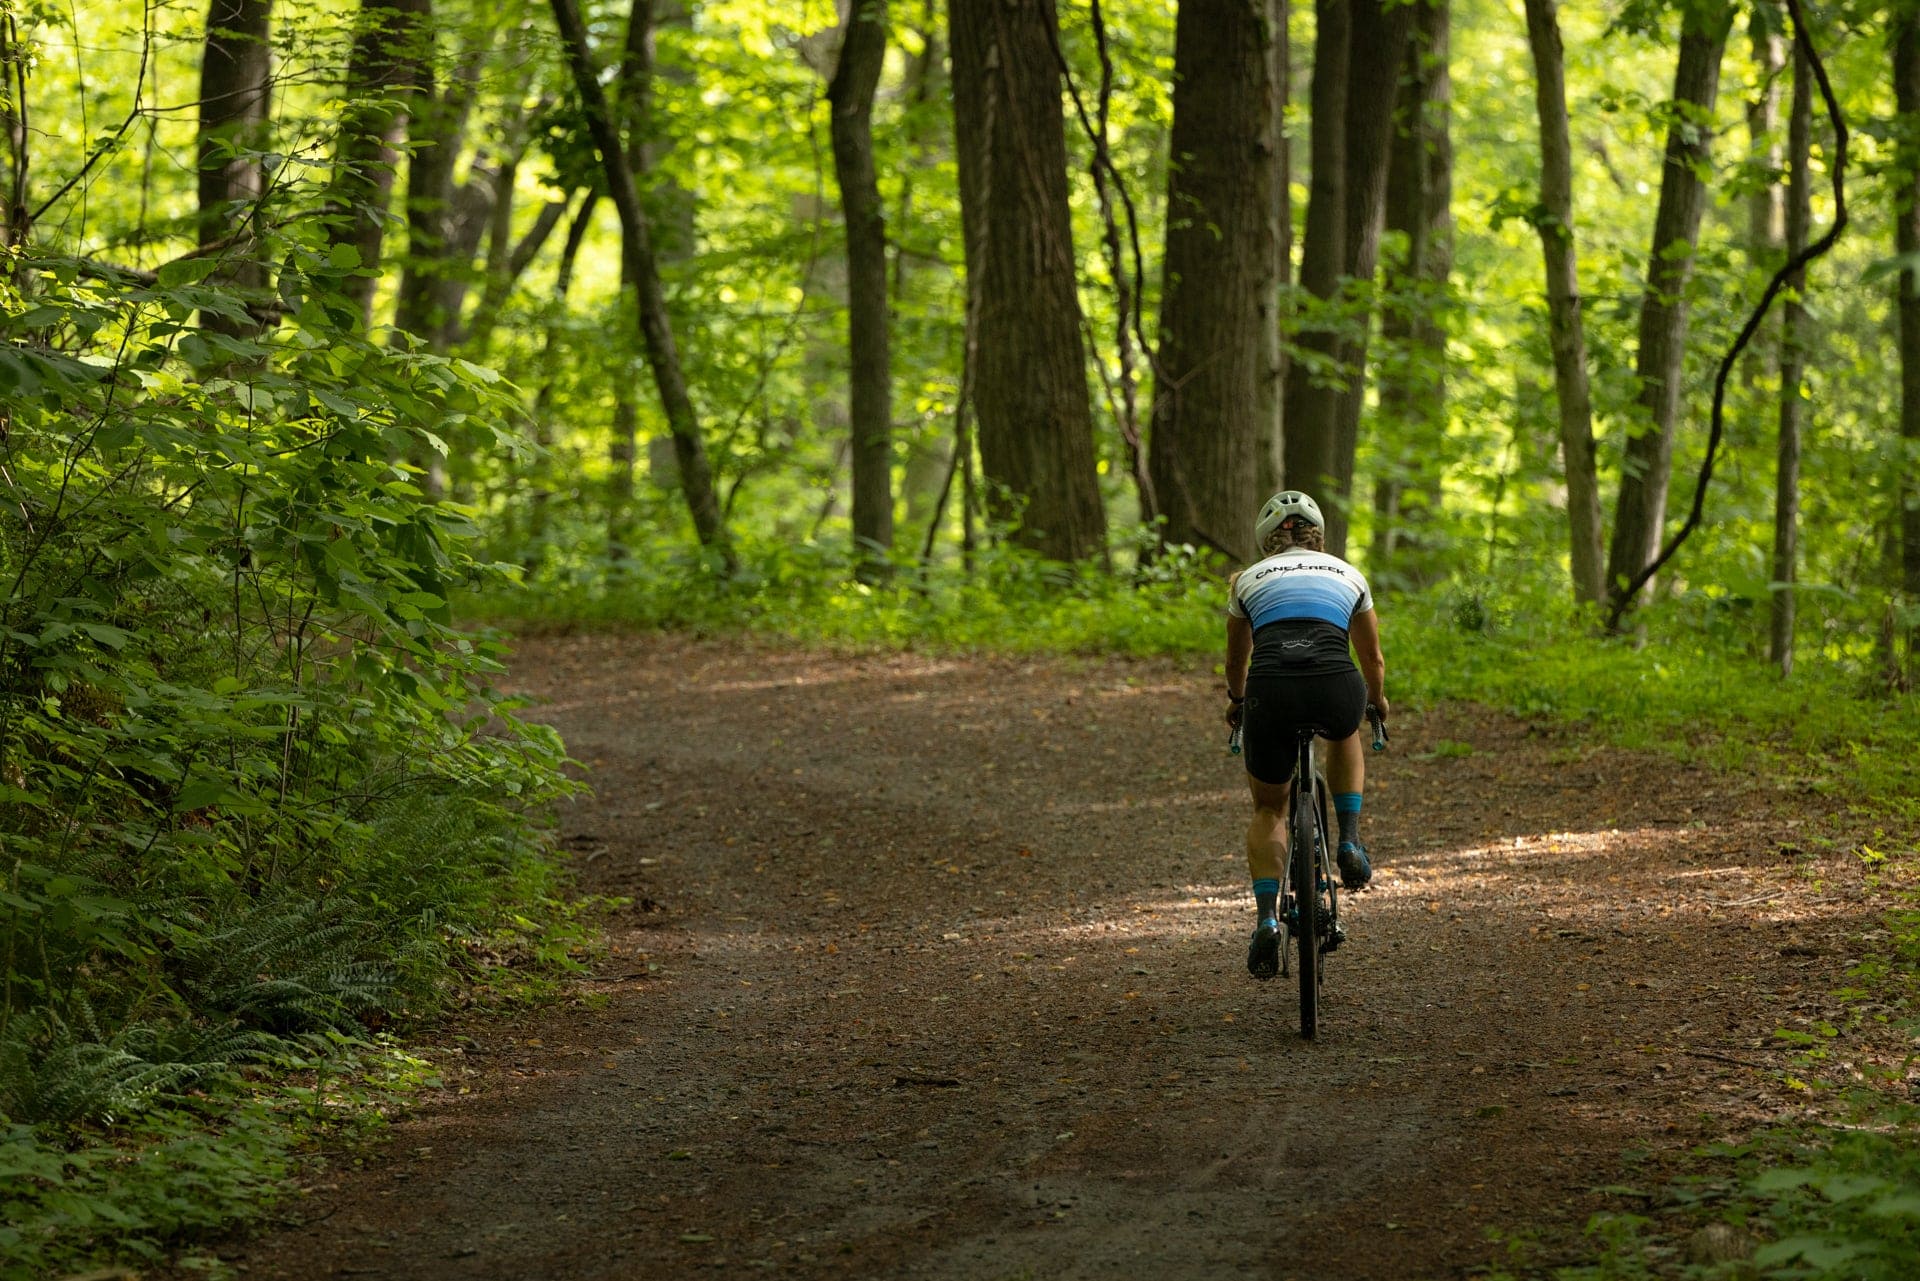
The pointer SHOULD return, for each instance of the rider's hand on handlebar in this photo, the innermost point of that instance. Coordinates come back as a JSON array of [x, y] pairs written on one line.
[[1379, 705], [1235, 712]]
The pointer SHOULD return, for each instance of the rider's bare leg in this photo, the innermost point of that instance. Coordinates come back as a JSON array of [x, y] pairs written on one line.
[[1267, 829], [1346, 764]]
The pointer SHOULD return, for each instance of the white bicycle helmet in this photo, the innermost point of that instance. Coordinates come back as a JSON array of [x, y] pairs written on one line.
[[1288, 504]]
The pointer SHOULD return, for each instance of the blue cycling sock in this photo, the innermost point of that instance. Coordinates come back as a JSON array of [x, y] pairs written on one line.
[[1347, 806], [1266, 898]]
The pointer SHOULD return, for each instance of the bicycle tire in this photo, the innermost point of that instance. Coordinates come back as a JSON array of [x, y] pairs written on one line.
[[1329, 874], [1302, 863]]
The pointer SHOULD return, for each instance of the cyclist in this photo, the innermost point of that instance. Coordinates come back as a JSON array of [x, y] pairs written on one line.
[[1291, 618]]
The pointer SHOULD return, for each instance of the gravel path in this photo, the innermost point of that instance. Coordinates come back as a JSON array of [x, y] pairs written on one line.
[[936, 968]]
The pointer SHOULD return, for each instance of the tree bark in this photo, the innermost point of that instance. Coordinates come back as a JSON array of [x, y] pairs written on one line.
[[235, 67], [1640, 510], [1567, 332], [391, 41], [13, 121], [1906, 86], [637, 259], [634, 103], [445, 220], [1312, 381], [1376, 51], [1793, 363], [1211, 410], [1272, 457], [1419, 207], [927, 465], [437, 250], [543, 399], [1035, 416], [850, 94], [1766, 207], [1356, 66]]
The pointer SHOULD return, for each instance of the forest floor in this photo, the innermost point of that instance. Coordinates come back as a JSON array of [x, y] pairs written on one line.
[[935, 967]]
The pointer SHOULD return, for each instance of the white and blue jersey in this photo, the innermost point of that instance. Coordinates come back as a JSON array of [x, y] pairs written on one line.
[[1298, 583], [1313, 596]]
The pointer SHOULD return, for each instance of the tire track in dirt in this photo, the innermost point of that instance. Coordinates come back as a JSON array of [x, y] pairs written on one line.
[[946, 979]]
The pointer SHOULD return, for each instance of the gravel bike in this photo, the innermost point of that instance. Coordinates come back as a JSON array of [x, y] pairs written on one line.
[[1310, 893]]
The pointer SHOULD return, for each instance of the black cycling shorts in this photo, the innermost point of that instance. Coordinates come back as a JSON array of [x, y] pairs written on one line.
[[1279, 707]]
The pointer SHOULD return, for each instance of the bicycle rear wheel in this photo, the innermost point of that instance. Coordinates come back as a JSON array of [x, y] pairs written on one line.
[[1302, 864]]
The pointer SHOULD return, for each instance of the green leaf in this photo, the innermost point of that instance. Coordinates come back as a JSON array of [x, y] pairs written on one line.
[[186, 271], [114, 638], [198, 794]]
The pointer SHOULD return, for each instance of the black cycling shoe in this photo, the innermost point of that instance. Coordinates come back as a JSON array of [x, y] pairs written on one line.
[[1263, 951], [1355, 870]]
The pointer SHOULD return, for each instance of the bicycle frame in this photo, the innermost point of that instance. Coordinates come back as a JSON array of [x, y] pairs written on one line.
[[1311, 907]]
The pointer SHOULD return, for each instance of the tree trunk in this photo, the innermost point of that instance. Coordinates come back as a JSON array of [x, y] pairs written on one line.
[[927, 460], [390, 44], [436, 254], [1413, 398], [1793, 362], [1766, 207], [634, 102], [1376, 51], [439, 250], [1307, 456], [850, 94], [1211, 411], [1906, 86], [1567, 332], [234, 69], [543, 399], [1272, 458], [14, 58], [1035, 416], [636, 253], [1639, 517]]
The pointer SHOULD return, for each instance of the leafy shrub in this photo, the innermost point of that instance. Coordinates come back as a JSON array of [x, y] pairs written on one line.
[[256, 785], [167, 1178], [1847, 1208]]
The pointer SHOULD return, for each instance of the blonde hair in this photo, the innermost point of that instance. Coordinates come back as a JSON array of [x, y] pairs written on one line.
[[1311, 537]]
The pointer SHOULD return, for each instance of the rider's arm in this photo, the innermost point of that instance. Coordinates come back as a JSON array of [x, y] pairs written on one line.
[[1239, 650], [1365, 631]]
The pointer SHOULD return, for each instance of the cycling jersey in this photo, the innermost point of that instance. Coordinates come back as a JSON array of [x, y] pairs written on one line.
[[1300, 584], [1301, 604]]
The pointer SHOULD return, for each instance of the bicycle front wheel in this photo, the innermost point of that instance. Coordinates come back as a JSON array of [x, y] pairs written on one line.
[[1302, 866]]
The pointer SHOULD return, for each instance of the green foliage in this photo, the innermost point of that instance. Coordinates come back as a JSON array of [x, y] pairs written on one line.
[[1694, 686], [1849, 1207], [167, 1178], [257, 788], [1009, 601], [1817, 1204]]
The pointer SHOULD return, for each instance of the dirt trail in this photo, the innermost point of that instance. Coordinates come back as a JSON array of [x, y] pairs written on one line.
[[936, 969]]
